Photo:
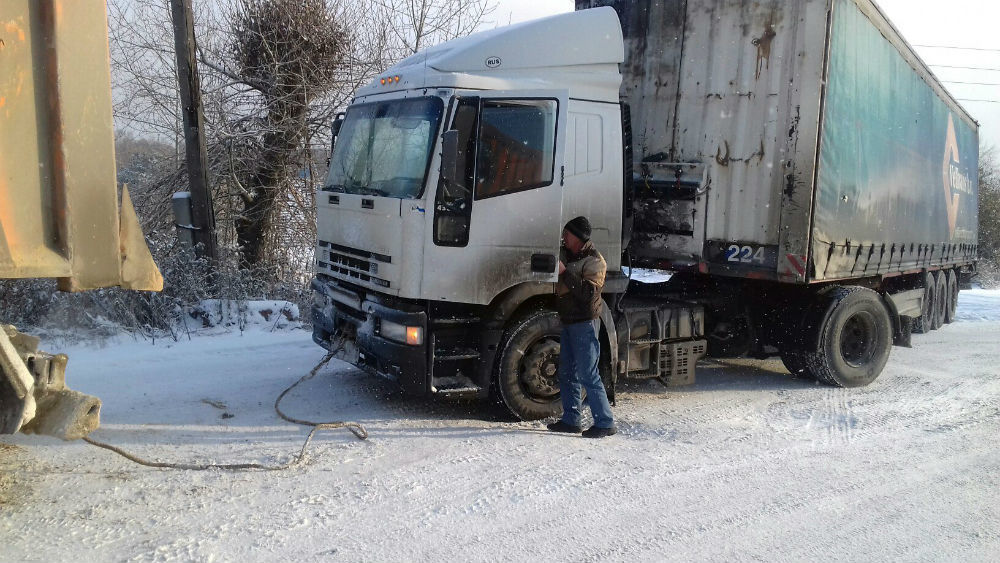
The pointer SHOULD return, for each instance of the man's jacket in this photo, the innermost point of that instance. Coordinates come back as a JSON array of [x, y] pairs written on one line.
[[579, 288]]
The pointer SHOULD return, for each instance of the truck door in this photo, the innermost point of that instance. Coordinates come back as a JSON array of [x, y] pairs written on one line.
[[498, 214]]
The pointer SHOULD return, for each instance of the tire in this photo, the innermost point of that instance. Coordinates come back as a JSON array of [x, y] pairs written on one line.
[[951, 282], [796, 365], [527, 374], [925, 323], [855, 338], [940, 300]]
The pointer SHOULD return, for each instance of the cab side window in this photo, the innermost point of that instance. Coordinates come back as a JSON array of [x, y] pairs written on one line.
[[516, 148]]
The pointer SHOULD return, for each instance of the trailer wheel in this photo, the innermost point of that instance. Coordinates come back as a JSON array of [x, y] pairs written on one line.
[[951, 282], [855, 338], [940, 299], [527, 375], [925, 323]]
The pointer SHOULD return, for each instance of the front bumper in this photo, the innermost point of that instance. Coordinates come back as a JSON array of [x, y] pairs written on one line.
[[356, 317]]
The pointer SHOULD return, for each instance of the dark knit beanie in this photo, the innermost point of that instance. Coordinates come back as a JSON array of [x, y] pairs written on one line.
[[580, 227]]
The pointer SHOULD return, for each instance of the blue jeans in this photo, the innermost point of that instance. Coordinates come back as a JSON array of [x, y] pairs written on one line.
[[579, 352]]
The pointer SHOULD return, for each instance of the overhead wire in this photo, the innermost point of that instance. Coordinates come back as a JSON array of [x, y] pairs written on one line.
[[972, 83], [993, 69], [959, 48]]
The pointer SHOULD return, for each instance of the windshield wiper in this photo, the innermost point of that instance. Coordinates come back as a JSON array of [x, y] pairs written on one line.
[[370, 191], [354, 189]]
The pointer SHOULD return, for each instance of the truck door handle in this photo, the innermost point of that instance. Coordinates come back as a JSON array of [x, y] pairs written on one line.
[[543, 263], [368, 204]]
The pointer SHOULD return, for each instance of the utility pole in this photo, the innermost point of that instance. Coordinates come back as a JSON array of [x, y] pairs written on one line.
[[202, 209]]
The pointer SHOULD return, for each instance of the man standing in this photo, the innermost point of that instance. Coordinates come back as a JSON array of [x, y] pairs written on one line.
[[581, 278]]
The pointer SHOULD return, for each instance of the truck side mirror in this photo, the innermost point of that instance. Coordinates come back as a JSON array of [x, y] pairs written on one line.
[[449, 157], [338, 122]]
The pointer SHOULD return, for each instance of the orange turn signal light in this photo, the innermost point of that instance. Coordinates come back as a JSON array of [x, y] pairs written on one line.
[[414, 335]]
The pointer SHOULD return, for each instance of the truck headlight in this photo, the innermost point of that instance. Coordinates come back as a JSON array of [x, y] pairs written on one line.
[[412, 335]]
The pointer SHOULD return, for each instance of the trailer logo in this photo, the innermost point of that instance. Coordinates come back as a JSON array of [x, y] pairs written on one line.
[[956, 182], [493, 62]]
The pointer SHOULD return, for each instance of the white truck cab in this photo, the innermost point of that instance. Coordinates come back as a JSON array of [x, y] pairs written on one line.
[[452, 176], [516, 98]]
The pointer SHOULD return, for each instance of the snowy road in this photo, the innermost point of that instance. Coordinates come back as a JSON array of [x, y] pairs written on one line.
[[748, 464]]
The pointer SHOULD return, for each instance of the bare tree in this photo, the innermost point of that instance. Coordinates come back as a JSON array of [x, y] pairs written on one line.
[[143, 71], [416, 24], [288, 52], [989, 207]]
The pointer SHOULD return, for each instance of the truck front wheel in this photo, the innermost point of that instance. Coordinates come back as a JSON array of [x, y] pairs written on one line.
[[854, 339], [527, 376]]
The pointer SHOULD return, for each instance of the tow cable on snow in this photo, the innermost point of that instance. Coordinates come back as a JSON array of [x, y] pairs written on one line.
[[355, 428]]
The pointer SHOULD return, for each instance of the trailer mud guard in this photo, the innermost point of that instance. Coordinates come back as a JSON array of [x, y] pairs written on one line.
[[903, 308]]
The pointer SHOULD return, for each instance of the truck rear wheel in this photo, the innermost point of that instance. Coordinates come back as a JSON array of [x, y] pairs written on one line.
[[527, 376], [925, 323], [940, 299], [951, 282], [855, 338]]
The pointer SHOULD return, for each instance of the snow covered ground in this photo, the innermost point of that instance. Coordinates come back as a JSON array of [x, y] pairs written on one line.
[[748, 464]]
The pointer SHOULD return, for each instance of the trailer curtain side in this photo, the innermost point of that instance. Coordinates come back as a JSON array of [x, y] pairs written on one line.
[[897, 180]]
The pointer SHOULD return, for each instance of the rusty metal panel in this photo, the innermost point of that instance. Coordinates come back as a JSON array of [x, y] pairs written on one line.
[[749, 69], [59, 214], [725, 99], [748, 108]]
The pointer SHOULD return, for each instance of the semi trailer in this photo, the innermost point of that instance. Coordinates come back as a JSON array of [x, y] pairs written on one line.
[[806, 180]]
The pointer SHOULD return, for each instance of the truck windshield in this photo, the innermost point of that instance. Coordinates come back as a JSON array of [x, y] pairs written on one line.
[[384, 147]]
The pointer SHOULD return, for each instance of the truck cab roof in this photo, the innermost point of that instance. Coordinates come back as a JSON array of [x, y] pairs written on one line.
[[578, 51]]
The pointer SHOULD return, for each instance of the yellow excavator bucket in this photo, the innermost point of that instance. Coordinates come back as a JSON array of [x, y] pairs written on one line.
[[59, 203]]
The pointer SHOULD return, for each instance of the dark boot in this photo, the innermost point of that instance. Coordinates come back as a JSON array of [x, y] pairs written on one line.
[[561, 426], [595, 432]]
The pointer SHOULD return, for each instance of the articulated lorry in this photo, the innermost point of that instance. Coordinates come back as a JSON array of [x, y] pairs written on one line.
[[59, 208], [798, 169]]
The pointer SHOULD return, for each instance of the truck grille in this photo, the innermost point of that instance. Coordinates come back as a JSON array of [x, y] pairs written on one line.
[[351, 262]]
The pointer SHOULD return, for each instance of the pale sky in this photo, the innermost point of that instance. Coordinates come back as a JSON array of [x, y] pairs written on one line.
[[948, 23]]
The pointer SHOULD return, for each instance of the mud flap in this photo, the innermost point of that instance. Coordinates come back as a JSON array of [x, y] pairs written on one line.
[[903, 307], [610, 333]]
